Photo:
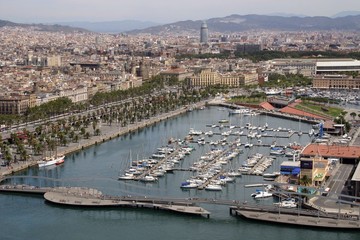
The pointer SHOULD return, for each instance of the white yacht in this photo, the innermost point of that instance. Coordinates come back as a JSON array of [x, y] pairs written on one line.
[[213, 187], [148, 178], [127, 176], [51, 161], [239, 111], [261, 194], [189, 185], [287, 203]]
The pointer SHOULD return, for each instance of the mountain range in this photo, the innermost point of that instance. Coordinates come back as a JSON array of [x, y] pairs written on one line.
[[345, 21], [43, 27], [239, 23], [111, 26]]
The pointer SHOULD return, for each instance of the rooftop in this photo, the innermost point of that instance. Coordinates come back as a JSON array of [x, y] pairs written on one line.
[[336, 151], [290, 163]]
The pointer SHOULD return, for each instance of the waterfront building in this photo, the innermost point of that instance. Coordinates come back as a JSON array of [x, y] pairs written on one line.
[[290, 170], [331, 66], [16, 104], [207, 76], [306, 67], [179, 74], [311, 67], [204, 33], [315, 169], [79, 94], [345, 154], [336, 82]]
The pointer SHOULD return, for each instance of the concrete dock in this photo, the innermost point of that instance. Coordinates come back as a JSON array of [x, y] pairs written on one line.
[[88, 197], [302, 220]]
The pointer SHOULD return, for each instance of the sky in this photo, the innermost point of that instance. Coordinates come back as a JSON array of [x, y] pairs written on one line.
[[161, 11]]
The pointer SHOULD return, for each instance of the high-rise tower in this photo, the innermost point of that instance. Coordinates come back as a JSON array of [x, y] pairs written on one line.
[[204, 33]]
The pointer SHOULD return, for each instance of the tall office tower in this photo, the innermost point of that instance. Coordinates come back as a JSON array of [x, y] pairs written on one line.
[[204, 33]]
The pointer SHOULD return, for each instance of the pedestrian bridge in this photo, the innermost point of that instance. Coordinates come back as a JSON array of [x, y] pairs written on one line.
[[304, 214]]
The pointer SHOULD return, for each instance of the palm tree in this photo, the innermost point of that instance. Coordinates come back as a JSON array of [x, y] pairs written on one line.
[[94, 124], [87, 135], [353, 115], [97, 132], [8, 156], [24, 155], [82, 131], [305, 180], [38, 148], [76, 138]]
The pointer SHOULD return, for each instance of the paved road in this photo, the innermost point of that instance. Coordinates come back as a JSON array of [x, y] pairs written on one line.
[[339, 179]]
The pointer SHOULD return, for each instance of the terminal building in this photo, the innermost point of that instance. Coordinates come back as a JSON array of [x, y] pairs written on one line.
[[331, 66], [336, 82], [316, 66]]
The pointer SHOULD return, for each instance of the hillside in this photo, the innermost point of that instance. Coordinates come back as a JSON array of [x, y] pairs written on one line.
[[240, 23], [43, 27]]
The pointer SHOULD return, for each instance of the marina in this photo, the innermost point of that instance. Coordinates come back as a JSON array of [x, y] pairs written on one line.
[[99, 167]]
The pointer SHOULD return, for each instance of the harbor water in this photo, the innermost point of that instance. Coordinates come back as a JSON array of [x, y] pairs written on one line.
[[24, 216]]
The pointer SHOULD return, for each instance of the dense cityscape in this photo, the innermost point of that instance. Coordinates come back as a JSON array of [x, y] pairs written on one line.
[[271, 110]]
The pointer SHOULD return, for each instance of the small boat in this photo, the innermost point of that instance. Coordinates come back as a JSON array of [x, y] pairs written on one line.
[[158, 155], [189, 185], [60, 161], [271, 175], [239, 111], [213, 187], [126, 176], [209, 133], [223, 121], [148, 178], [287, 203], [195, 132], [234, 173], [50, 161], [261, 194]]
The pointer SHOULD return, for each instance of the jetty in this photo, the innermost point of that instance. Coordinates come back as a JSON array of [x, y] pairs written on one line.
[[89, 197], [296, 217], [81, 197]]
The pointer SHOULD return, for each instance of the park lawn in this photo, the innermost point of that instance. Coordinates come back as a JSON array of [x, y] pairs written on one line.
[[331, 111]]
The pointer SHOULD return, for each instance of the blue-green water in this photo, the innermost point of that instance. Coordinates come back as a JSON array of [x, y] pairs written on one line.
[[29, 217]]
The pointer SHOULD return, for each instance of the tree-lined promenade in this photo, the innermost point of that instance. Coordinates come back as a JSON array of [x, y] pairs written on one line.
[[111, 114]]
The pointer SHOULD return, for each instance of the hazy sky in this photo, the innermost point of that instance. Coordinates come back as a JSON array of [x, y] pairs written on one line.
[[161, 11]]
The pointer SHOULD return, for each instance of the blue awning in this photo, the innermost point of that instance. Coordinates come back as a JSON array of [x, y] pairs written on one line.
[[295, 171]]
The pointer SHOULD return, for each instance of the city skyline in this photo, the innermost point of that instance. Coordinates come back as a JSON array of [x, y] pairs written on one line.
[[43, 11]]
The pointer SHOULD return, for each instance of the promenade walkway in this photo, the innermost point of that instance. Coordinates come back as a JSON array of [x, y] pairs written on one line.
[[108, 132]]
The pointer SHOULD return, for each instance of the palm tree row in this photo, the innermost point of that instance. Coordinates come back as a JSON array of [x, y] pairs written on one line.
[[45, 139]]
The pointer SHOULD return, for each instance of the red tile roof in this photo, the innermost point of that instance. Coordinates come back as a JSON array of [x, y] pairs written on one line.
[[266, 106], [331, 151], [294, 111]]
